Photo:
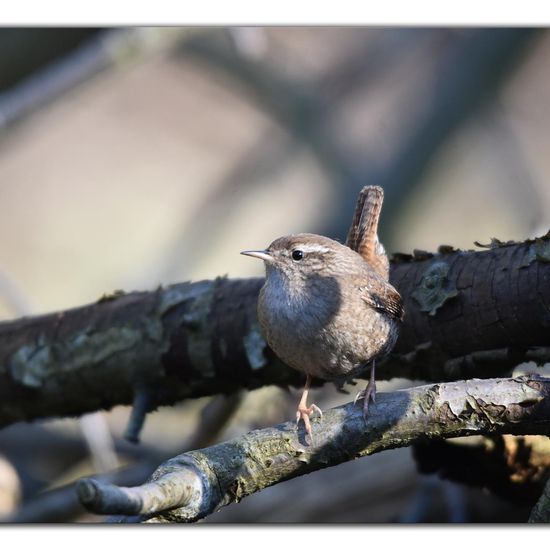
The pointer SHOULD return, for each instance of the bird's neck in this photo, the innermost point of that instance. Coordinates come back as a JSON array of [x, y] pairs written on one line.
[[286, 291]]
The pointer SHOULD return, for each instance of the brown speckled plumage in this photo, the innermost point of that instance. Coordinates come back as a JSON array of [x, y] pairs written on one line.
[[330, 314], [328, 309]]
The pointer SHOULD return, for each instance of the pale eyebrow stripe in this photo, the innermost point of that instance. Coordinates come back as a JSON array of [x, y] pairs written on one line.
[[313, 248]]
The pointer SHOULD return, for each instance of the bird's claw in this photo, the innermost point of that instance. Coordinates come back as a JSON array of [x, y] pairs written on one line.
[[303, 413], [316, 409], [368, 394]]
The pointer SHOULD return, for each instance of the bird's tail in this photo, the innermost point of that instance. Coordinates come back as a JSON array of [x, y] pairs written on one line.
[[363, 233]]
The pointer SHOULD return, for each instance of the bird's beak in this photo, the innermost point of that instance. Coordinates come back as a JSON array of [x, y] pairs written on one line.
[[261, 254]]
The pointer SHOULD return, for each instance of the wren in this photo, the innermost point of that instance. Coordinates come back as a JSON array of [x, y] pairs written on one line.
[[328, 309]]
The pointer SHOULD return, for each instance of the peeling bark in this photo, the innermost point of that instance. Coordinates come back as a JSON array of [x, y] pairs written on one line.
[[195, 484], [203, 338]]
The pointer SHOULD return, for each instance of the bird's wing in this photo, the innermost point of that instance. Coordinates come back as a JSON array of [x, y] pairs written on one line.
[[380, 295], [363, 232]]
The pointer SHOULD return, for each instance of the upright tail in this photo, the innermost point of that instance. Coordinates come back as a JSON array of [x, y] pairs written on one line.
[[363, 233]]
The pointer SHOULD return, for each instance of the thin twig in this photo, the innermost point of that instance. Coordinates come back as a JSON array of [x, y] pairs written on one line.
[[215, 416]]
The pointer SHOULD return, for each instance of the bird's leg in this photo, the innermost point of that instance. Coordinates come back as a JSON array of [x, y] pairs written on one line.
[[304, 412], [369, 393]]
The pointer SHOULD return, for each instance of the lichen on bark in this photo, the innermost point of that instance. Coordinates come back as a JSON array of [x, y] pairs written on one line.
[[434, 288]]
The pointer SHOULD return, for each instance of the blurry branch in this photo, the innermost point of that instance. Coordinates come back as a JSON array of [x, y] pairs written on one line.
[[519, 180], [299, 110], [471, 68], [452, 495], [46, 84], [541, 511], [10, 487], [371, 60], [61, 452], [249, 41], [198, 234], [62, 504], [470, 73], [467, 314], [195, 484], [512, 468], [215, 416], [99, 439], [104, 49], [26, 49], [273, 151]]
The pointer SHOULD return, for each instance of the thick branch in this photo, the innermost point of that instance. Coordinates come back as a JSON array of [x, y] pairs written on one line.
[[195, 484], [467, 314]]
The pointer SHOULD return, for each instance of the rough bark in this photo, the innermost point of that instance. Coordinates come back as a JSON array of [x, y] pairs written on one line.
[[195, 484], [467, 314]]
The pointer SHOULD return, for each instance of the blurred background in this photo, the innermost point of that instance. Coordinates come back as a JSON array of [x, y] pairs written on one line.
[[133, 157]]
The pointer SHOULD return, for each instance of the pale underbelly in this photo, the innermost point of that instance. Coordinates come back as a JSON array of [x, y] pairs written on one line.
[[335, 351]]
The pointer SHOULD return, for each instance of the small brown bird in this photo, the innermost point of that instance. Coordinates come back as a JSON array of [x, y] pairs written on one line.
[[327, 309]]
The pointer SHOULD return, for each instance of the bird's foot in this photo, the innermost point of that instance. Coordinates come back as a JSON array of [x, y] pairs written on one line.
[[368, 394], [303, 413]]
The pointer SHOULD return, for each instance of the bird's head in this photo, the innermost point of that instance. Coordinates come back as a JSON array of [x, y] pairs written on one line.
[[303, 255]]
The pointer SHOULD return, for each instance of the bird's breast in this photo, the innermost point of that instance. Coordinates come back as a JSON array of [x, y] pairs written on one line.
[[322, 337]]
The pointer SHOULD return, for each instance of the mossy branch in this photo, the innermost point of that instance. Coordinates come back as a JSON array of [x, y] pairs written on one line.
[[197, 483]]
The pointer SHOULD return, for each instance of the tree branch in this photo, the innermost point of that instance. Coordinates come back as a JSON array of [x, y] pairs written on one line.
[[467, 314], [195, 484]]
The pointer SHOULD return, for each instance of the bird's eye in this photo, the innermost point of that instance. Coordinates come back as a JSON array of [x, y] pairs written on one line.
[[297, 255]]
